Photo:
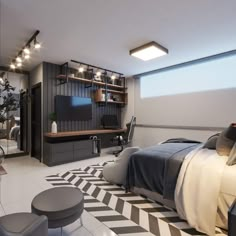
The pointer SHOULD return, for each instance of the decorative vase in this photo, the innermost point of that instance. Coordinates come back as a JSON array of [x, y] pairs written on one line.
[[54, 127]]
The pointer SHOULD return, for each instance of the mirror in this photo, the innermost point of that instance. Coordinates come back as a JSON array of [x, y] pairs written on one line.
[[13, 86]]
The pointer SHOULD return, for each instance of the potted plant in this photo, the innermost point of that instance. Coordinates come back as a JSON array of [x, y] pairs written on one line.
[[53, 118]]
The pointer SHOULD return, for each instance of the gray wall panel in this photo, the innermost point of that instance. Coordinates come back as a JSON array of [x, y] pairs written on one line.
[[72, 88]]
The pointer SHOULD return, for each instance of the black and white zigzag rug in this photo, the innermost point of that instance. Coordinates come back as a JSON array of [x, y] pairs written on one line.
[[124, 213]]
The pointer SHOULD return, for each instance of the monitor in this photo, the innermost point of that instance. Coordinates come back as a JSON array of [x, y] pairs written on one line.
[[73, 108], [110, 122]]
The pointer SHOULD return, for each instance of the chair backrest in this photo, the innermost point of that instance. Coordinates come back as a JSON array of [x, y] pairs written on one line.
[[128, 136]]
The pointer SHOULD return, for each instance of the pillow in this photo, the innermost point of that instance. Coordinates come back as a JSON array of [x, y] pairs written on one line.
[[225, 142], [211, 142], [232, 156]]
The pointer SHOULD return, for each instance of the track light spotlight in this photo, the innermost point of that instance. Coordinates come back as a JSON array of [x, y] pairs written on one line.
[[81, 69], [37, 45], [19, 64], [98, 73], [26, 56], [26, 50], [18, 59], [13, 66]]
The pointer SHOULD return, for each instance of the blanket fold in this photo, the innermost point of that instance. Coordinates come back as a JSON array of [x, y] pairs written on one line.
[[198, 187]]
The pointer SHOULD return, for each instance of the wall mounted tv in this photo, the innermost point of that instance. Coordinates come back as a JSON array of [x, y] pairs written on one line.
[[73, 108]]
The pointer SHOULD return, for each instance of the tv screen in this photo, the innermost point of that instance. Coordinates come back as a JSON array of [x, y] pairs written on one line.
[[73, 108]]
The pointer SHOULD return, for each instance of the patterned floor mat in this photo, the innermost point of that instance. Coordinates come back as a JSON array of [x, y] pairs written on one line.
[[124, 213]]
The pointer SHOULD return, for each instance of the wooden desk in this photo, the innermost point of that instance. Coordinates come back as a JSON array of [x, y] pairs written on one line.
[[83, 133], [64, 147]]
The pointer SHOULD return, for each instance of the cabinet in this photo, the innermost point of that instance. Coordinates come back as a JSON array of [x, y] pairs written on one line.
[[64, 152]]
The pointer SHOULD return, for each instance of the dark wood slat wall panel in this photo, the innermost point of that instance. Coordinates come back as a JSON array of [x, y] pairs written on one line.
[[72, 88]]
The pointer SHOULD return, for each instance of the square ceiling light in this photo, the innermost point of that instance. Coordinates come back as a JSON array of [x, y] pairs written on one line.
[[149, 51]]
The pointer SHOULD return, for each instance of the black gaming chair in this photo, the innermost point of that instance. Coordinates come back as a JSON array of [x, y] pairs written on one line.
[[126, 138]]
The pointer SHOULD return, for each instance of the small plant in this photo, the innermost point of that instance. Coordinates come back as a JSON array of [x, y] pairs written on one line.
[[8, 101], [53, 116]]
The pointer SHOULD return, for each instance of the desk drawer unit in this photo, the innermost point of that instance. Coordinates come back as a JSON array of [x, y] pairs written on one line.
[[62, 147], [63, 157], [83, 144], [64, 152]]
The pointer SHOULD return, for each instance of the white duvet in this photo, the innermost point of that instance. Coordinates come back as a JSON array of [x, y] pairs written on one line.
[[198, 188]]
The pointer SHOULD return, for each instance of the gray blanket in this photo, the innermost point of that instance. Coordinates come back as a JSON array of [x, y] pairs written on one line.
[[157, 168]]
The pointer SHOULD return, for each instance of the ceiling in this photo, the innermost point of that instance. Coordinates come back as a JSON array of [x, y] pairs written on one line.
[[101, 32]]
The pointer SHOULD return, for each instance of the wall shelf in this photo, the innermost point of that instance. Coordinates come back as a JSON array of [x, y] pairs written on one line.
[[64, 78], [107, 93], [110, 96]]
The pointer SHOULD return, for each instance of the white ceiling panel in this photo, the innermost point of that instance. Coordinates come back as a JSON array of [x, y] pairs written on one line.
[[101, 32]]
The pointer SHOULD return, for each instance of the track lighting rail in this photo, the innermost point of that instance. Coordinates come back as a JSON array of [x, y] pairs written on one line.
[[24, 53], [99, 68], [29, 41]]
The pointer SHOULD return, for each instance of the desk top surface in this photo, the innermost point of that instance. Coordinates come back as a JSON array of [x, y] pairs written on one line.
[[84, 132]]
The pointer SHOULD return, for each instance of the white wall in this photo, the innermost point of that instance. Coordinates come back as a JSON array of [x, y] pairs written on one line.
[[128, 111], [198, 109]]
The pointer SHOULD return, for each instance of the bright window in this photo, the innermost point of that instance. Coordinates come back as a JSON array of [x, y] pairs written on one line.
[[211, 75]]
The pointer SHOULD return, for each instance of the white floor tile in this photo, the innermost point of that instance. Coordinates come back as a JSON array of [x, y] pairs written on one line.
[[104, 231], [2, 213], [90, 223], [26, 178]]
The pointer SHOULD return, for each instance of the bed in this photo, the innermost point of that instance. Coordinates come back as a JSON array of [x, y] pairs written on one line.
[[178, 173]]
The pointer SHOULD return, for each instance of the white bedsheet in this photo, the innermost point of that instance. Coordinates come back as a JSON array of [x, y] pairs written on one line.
[[198, 187]]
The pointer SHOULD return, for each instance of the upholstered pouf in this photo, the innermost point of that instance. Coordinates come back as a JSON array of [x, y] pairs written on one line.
[[23, 224], [62, 205]]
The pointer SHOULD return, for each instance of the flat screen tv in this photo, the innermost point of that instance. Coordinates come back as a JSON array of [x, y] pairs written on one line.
[[73, 108]]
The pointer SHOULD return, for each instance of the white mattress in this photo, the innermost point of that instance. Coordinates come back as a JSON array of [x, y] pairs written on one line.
[[228, 181], [227, 195]]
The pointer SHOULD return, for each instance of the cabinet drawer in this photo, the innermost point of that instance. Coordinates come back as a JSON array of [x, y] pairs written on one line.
[[83, 144], [62, 147], [63, 157], [82, 153]]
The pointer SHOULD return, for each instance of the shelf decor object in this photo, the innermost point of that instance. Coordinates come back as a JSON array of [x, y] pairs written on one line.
[[53, 117], [149, 51]]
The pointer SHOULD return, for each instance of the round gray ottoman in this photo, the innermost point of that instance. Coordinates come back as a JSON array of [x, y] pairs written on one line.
[[62, 205]]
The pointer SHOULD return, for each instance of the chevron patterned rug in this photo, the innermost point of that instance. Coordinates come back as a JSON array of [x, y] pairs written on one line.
[[124, 213]]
